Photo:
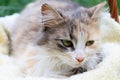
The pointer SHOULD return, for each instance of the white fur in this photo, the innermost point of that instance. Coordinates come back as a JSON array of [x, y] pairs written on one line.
[[46, 64]]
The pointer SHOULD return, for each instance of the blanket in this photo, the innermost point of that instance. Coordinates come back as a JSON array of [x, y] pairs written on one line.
[[108, 69]]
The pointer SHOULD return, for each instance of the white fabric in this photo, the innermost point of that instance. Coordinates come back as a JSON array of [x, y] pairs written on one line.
[[108, 69]]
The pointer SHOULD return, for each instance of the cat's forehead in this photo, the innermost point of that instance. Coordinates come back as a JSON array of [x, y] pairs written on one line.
[[81, 15], [72, 29], [77, 25]]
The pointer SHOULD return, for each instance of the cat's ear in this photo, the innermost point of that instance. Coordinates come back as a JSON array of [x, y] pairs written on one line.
[[50, 16], [96, 10]]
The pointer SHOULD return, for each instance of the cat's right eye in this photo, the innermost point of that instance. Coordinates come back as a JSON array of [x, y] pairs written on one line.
[[67, 43]]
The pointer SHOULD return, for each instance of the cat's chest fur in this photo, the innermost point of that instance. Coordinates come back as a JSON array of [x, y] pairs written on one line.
[[39, 63]]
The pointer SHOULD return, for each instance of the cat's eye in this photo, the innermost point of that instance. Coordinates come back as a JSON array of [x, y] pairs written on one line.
[[67, 43], [89, 43]]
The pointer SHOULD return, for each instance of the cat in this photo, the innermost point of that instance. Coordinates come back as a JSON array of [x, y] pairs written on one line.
[[56, 40]]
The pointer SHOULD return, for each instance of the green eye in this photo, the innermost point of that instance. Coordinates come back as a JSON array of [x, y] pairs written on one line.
[[89, 43], [67, 43]]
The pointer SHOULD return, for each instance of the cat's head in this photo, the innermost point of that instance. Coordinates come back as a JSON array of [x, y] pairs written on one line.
[[74, 36]]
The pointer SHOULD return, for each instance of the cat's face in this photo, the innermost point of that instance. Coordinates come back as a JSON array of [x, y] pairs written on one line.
[[74, 38]]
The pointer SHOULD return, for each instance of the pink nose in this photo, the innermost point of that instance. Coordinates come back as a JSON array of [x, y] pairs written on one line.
[[79, 58]]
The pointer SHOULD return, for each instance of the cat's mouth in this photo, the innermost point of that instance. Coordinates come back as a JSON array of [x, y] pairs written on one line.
[[76, 65]]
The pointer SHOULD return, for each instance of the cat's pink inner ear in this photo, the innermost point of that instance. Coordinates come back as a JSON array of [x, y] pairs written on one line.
[[50, 16], [96, 10], [45, 7]]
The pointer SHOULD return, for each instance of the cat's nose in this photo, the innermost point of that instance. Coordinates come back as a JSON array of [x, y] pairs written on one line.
[[79, 58]]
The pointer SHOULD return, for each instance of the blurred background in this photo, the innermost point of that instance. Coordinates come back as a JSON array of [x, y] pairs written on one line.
[[8, 7]]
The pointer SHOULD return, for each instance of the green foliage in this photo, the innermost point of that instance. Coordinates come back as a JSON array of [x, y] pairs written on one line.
[[119, 6], [88, 3], [8, 7]]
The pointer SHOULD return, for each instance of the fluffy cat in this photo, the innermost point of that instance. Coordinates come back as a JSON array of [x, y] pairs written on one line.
[[55, 39]]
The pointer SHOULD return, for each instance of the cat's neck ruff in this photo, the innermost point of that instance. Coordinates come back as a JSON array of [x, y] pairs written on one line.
[[44, 63]]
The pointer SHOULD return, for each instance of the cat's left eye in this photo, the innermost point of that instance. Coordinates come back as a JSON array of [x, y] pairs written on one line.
[[89, 43]]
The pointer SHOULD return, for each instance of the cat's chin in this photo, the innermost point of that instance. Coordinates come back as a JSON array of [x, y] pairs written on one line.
[[76, 65]]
